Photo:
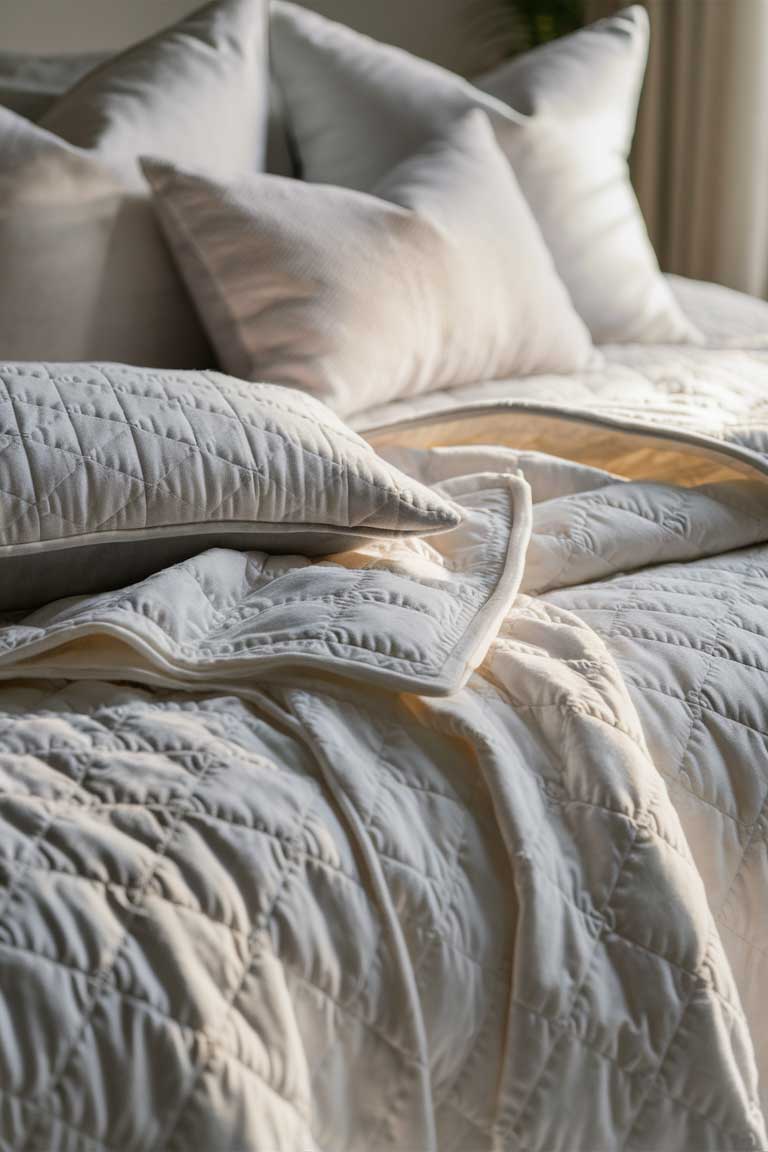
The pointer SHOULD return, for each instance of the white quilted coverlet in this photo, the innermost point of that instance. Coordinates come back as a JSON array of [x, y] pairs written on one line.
[[458, 843]]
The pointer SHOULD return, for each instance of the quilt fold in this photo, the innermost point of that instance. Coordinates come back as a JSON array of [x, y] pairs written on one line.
[[412, 615]]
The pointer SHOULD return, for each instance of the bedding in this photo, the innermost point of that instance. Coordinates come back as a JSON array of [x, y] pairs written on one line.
[[711, 392], [30, 85], [409, 846], [196, 93], [110, 473], [454, 837], [86, 273], [564, 115], [458, 282]]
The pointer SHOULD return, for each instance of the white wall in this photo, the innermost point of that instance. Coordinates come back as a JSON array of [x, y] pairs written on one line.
[[453, 32]]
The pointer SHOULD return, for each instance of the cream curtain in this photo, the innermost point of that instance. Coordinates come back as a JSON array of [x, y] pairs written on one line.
[[700, 158]]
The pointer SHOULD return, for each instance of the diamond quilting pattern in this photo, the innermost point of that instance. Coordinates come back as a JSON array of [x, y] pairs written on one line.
[[96, 448], [698, 681]]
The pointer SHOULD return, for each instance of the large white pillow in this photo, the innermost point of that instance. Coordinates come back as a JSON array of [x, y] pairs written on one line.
[[31, 85], [86, 273], [439, 279], [564, 116], [196, 93], [109, 472]]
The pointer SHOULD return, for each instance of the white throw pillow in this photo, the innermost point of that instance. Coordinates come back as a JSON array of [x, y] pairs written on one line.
[[109, 472], [439, 279], [356, 108], [86, 273]]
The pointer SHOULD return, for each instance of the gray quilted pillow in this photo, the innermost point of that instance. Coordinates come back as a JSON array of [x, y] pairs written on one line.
[[108, 473]]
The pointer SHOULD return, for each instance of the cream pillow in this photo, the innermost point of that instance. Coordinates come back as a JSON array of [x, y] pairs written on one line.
[[109, 473], [564, 116], [85, 271], [439, 279]]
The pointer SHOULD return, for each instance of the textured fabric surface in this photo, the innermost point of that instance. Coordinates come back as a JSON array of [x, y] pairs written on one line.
[[95, 456], [564, 116], [439, 279], [322, 912], [717, 393], [223, 617], [31, 85], [195, 93], [86, 273]]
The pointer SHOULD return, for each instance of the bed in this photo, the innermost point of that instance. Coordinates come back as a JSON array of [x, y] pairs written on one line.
[[451, 837]]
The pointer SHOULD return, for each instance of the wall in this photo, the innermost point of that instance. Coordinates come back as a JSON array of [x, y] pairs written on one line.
[[453, 32]]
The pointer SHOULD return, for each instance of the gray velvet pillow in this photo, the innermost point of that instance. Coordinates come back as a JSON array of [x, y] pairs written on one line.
[[108, 473]]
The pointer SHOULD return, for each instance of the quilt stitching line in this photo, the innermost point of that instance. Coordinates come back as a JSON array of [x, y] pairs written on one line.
[[24, 863], [410, 918], [153, 893], [694, 697], [31, 475], [680, 697], [601, 498], [80, 460], [396, 1096], [452, 1089], [347, 1010], [515, 1121], [138, 478], [285, 441], [571, 546], [655, 1079], [29, 1102], [527, 1007], [102, 976], [631, 1073], [554, 1021], [664, 583], [635, 633], [513, 1125], [26, 1104], [484, 1129], [451, 871], [152, 486], [746, 825], [743, 856], [224, 618], [668, 579], [645, 818], [594, 916], [606, 928], [216, 389], [255, 946], [367, 819], [632, 604], [724, 926], [337, 646], [296, 497]]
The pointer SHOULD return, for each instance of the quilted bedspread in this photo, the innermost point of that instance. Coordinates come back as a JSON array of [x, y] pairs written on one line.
[[456, 843]]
